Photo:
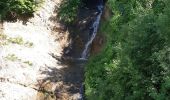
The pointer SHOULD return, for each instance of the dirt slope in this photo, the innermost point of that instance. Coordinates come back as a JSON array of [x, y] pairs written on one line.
[[26, 60]]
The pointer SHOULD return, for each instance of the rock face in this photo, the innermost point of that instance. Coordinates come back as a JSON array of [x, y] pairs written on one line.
[[107, 14], [25, 54], [100, 39], [11, 91], [97, 44]]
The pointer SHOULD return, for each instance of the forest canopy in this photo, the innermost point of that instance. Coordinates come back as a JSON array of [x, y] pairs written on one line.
[[135, 63]]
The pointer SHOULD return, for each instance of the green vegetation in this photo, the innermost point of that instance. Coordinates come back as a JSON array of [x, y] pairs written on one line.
[[28, 63], [5, 40], [68, 11], [16, 8], [17, 40], [14, 58], [135, 63], [28, 44]]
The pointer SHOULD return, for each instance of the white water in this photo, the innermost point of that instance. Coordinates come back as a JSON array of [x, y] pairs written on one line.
[[95, 28]]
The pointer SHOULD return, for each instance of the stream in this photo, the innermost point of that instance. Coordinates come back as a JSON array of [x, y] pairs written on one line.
[[93, 31], [76, 54]]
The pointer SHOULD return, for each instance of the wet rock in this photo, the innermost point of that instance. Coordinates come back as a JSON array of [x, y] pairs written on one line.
[[97, 44], [107, 13], [79, 42]]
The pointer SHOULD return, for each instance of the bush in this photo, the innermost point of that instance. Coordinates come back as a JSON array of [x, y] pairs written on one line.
[[15, 8], [68, 10]]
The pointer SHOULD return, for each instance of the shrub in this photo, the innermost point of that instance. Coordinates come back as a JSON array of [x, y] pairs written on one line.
[[68, 10], [15, 8]]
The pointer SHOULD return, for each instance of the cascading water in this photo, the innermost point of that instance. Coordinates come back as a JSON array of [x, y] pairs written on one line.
[[91, 15], [94, 31]]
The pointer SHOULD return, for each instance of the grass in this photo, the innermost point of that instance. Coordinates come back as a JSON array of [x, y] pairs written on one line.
[[5, 40], [16, 40], [14, 58], [28, 63], [28, 44]]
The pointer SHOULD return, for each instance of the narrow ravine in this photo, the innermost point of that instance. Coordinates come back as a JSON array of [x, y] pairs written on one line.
[[76, 54]]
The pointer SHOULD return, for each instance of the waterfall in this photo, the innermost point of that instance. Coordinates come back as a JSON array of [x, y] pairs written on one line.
[[94, 32]]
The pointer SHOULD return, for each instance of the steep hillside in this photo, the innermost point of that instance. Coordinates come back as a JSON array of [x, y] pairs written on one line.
[[26, 49], [135, 61]]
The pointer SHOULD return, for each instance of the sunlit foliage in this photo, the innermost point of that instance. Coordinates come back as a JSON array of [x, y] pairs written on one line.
[[135, 62], [15, 8]]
